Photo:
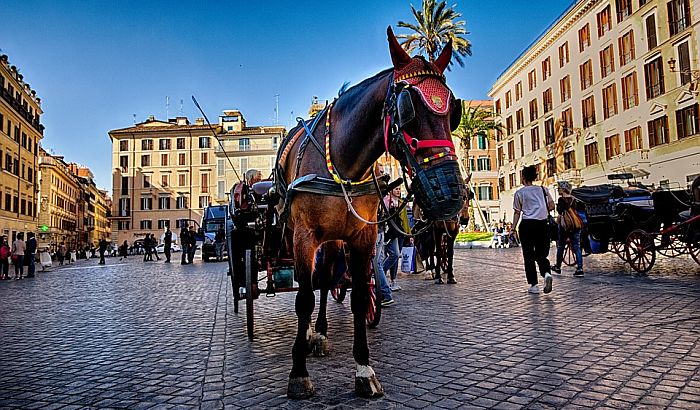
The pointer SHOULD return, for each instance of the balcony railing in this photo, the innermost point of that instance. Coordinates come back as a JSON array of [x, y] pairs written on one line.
[[12, 101]]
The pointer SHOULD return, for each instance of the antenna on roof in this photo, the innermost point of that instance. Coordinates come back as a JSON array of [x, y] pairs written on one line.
[[277, 109], [167, 108], [134, 118], [181, 102]]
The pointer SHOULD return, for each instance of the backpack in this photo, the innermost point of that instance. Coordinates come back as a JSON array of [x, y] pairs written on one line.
[[4, 252]]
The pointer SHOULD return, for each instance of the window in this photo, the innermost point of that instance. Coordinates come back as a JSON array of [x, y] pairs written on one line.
[[684, 63], [472, 164], [588, 110], [181, 159], [220, 167], [164, 180], [204, 183], [551, 166], [205, 158], [518, 90], [125, 186], [626, 47], [535, 138], [482, 141], [511, 179], [563, 54], [687, 121], [123, 162], [658, 131], [531, 80], [145, 160], [204, 142], [604, 23], [164, 160], [630, 96], [522, 146], [164, 144], [181, 202], [519, 121], [591, 153], [549, 131], [651, 31], [612, 146], [146, 145], [586, 71], [678, 15], [584, 38], [546, 68], [654, 78], [565, 88], [123, 145], [483, 164], [607, 61], [547, 101], [511, 150], [180, 143], [123, 225], [221, 189], [146, 181], [164, 202], [146, 224], [485, 192], [633, 139], [567, 122], [508, 100], [498, 106], [609, 101], [509, 125], [624, 9], [533, 110], [146, 203], [275, 142], [569, 160], [182, 179], [500, 156], [204, 201], [163, 223]]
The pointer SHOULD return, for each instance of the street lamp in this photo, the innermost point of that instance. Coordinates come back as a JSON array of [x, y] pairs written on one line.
[[694, 75]]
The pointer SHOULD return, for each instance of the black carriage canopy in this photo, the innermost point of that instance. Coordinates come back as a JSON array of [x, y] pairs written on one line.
[[606, 192]]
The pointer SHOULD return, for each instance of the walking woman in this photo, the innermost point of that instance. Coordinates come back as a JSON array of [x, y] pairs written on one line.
[[566, 230], [18, 248], [532, 205]]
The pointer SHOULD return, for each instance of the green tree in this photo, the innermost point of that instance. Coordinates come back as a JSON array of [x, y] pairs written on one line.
[[436, 25]]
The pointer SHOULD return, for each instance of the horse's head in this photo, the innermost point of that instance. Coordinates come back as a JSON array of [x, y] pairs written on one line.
[[421, 113]]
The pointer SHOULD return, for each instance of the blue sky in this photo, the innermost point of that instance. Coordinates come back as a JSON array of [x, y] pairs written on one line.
[[96, 64]]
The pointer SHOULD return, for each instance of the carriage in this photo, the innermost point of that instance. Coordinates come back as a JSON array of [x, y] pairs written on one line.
[[636, 223]]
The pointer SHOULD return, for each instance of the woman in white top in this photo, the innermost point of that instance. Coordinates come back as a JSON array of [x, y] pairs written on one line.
[[18, 248], [532, 205]]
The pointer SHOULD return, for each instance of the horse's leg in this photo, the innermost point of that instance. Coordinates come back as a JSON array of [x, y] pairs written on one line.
[[366, 382], [300, 386], [439, 258], [450, 256], [325, 272]]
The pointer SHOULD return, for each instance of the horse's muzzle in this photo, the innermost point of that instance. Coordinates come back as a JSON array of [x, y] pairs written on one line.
[[439, 190]]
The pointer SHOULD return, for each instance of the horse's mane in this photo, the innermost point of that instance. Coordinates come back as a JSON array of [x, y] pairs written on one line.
[[348, 94]]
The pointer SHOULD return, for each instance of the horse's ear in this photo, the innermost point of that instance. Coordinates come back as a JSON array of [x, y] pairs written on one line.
[[399, 56], [456, 114], [445, 56]]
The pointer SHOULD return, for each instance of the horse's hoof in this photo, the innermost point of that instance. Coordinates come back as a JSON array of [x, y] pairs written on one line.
[[319, 345], [368, 387], [300, 388]]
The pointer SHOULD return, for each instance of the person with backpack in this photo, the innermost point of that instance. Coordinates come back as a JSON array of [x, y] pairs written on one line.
[[4, 258], [18, 250], [31, 251], [570, 225]]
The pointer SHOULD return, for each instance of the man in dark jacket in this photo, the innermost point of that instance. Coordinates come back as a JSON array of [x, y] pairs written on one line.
[[103, 249], [192, 240], [167, 243], [184, 242], [29, 254]]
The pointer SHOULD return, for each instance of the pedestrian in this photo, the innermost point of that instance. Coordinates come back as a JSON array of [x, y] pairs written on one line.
[[532, 204], [124, 250], [192, 236], [392, 237], [185, 242], [31, 251], [103, 249], [154, 247], [219, 243], [5, 253], [61, 253], [387, 295], [167, 243], [567, 230], [18, 250]]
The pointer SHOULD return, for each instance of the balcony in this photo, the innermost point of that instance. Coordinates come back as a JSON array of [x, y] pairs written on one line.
[[12, 102]]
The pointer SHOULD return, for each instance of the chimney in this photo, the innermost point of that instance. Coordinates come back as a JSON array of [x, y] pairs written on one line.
[[151, 118], [182, 121], [199, 121]]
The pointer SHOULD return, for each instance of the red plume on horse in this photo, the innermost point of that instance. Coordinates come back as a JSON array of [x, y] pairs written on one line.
[[326, 183]]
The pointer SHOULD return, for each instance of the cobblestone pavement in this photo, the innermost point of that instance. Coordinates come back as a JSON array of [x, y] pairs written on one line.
[[135, 335]]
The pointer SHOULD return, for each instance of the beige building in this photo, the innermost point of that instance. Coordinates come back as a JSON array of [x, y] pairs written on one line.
[[60, 193], [245, 148], [93, 212], [20, 134], [610, 87], [162, 172]]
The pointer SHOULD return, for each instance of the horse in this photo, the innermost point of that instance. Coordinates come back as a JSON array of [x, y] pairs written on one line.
[[328, 193]]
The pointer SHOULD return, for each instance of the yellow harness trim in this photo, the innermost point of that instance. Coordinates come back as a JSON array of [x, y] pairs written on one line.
[[329, 163]]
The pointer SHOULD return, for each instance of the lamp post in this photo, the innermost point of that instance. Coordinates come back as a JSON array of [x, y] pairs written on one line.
[[692, 75]]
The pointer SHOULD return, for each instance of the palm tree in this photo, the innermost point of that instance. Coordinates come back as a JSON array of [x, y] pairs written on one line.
[[476, 121], [435, 26]]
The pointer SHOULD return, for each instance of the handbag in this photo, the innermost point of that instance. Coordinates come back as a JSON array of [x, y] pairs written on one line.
[[569, 219], [552, 226]]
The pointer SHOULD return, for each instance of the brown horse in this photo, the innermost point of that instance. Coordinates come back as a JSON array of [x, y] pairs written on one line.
[[324, 175]]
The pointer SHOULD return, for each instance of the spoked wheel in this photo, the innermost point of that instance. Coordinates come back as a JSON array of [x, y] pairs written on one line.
[[694, 250], [338, 293], [669, 245], [618, 249], [374, 303], [569, 254], [640, 251]]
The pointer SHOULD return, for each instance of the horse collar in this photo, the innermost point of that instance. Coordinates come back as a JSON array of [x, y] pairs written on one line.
[[329, 163]]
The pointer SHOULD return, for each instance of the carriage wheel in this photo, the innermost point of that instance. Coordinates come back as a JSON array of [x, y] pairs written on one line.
[[569, 254], [669, 245], [618, 249], [374, 303], [640, 251], [249, 293], [694, 250], [338, 293]]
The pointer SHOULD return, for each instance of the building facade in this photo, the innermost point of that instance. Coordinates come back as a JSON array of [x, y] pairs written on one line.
[[60, 194], [162, 172], [610, 87], [20, 134], [93, 211]]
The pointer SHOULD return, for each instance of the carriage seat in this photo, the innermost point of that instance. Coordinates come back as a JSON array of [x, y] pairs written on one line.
[[263, 187]]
